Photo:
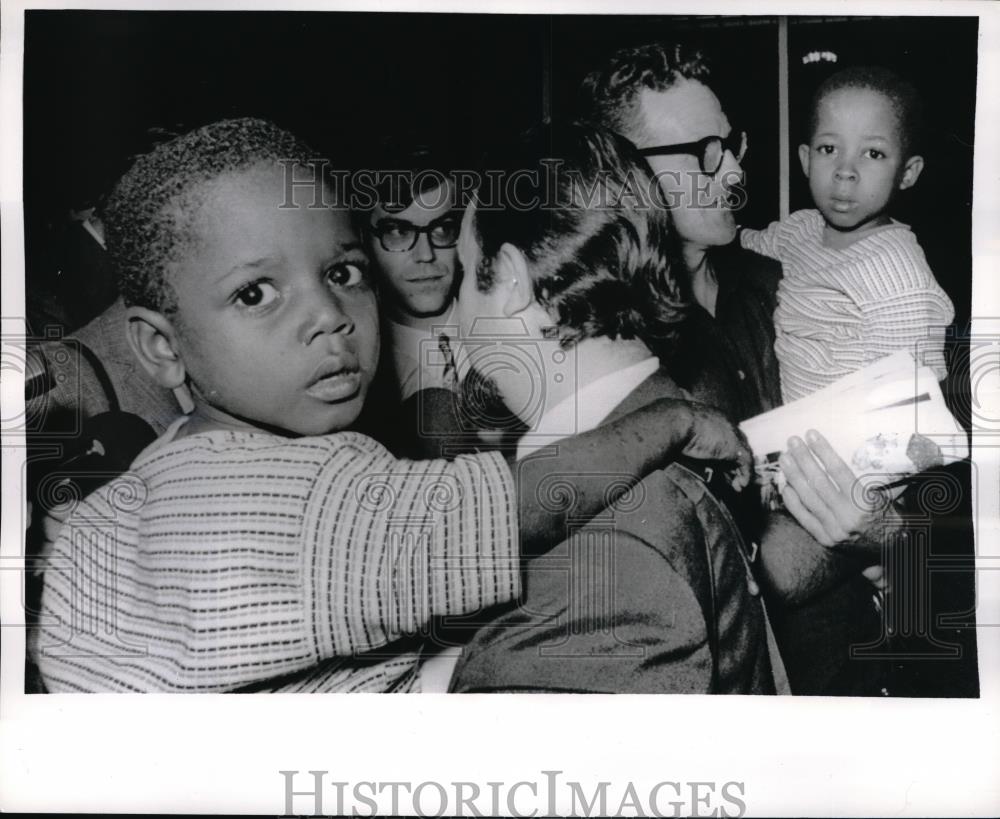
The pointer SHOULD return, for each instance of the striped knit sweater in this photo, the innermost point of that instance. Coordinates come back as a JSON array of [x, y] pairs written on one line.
[[840, 310], [244, 561]]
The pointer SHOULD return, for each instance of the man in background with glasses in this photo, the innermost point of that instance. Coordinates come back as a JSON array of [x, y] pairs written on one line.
[[411, 235]]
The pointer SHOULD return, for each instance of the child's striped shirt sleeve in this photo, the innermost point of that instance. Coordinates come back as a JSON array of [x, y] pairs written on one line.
[[766, 242], [248, 561]]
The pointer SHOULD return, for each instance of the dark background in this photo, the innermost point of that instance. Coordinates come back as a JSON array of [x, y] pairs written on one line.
[[98, 84]]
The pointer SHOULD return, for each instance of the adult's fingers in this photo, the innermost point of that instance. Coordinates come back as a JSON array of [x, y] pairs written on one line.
[[859, 501], [806, 468], [876, 576], [814, 490], [739, 476], [834, 466], [806, 519], [744, 457], [713, 437], [846, 511]]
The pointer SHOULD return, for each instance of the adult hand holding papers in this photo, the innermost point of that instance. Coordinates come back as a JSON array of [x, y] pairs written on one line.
[[885, 421]]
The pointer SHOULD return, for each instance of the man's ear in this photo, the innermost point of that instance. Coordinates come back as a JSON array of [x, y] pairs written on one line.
[[804, 158], [153, 340], [512, 269], [911, 172]]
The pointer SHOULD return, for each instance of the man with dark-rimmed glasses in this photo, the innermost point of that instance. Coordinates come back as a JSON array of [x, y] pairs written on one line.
[[658, 96], [411, 234]]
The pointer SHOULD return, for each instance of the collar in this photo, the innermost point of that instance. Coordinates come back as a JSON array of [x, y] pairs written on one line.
[[445, 323], [587, 407]]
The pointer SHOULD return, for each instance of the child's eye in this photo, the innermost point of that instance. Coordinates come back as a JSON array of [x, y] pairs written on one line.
[[346, 274], [256, 294], [874, 153], [825, 150]]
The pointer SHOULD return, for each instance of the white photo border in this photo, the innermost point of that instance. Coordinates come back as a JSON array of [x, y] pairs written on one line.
[[220, 753]]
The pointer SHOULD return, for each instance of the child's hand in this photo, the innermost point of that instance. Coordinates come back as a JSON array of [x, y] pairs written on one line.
[[714, 438]]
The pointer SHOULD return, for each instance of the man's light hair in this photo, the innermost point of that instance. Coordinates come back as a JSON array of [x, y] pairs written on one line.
[[610, 94]]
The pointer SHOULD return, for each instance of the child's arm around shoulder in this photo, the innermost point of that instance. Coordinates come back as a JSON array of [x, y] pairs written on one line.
[[773, 240], [765, 242], [254, 558], [623, 451], [404, 541], [260, 557], [416, 539]]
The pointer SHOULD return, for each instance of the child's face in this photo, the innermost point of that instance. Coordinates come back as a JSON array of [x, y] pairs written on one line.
[[855, 159], [277, 323]]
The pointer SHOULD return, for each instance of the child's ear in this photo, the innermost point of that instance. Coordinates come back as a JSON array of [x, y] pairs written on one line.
[[804, 158], [512, 269], [153, 340], [911, 172]]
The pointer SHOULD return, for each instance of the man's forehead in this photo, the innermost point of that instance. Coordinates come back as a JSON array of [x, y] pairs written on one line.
[[427, 205], [686, 112]]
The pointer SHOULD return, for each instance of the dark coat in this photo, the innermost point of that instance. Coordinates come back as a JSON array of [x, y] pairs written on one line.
[[654, 595]]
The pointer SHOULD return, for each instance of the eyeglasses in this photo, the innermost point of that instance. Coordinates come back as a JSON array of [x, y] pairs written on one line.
[[710, 151], [398, 236]]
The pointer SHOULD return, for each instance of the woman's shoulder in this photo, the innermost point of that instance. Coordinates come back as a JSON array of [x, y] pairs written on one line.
[[742, 268]]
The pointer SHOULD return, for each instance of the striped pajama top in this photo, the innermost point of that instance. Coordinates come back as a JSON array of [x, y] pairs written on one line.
[[841, 309], [228, 561]]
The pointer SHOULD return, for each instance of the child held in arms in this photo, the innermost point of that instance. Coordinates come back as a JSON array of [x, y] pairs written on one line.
[[259, 544], [856, 286]]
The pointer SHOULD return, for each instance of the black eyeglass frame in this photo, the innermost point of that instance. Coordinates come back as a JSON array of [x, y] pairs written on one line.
[[736, 143], [379, 230]]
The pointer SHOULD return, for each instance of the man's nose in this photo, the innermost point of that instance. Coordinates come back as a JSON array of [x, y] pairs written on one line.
[[730, 172], [325, 315], [730, 162], [424, 250]]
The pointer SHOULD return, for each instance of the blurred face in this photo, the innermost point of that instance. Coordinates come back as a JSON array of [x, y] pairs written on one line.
[[277, 323], [688, 112], [854, 160], [418, 281]]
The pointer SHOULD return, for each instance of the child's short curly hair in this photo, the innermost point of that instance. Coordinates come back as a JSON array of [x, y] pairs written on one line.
[[148, 215], [902, 96]]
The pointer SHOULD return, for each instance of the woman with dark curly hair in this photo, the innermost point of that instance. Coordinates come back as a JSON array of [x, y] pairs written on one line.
[[571, 276]]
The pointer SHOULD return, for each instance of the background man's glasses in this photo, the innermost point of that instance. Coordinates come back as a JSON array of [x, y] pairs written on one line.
[[711, 150], [397, 236]]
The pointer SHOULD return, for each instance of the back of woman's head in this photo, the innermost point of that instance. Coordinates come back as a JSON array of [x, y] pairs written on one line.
[[580, 203]]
